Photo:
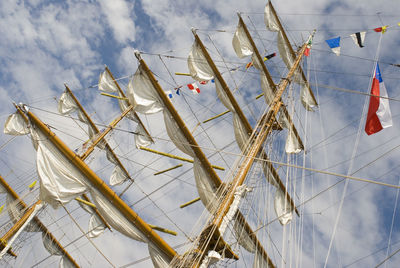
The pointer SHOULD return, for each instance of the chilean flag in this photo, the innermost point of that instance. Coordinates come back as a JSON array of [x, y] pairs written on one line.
[[379, 115]]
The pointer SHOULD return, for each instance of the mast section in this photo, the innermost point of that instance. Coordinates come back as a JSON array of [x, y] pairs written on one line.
[[124, 96], [199, 153], [102, 187], [192, 142], [239, 111], [270, 81], [264, 127], [291, 51], [94, 127], [41, 226]]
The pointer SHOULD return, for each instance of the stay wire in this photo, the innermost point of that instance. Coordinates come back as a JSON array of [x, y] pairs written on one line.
[[350, 166]]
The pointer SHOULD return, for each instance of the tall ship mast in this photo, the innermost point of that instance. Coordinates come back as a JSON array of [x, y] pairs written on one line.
[[256, 143]]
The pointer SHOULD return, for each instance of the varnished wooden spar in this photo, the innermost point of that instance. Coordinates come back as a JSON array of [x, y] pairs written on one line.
[[203, 159], [241, 115], [190, 139], [175, 156], [19, 223], [264, 127], [102, 187], [291, 51], [96, 130], [270, 81], [36, 220], [134, 113]]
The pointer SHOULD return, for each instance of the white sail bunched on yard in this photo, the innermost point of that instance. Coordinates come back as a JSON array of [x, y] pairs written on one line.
[[53, 249], [158, 259], [96, 225], [285, 50], [142, 95], [197, 64], [282, 207], [16, 125], [67, 106], [107, 83], [141, 137], [115, 218], [60, 180]]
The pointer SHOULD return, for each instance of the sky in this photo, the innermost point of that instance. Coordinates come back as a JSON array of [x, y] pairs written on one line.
[[45, 44]]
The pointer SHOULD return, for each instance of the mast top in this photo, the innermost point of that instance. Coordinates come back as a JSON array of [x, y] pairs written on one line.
[[137, 54]]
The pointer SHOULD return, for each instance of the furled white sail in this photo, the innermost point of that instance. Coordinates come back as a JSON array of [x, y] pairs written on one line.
[[197, 64], [150, 102], [123, 106], [288, 56], [205, 186], [96, 226], [243, 238], [233, 208], [66, 104], [16, 211], [141, 137], [292, 145], [282, 207], [115, 218], [16, 125], [158, 259], [66, 263], [49, 245], [60, 180], [118, 176], [142, 95], [107, 83], [270, 20], [176, 135], [268, 91], [241, 43]]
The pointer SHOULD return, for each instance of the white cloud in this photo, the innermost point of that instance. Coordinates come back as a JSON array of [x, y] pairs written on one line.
[[119, 15]]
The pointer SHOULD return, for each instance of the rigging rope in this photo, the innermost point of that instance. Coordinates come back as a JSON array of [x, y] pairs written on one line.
[[351, 163], [88, 238]]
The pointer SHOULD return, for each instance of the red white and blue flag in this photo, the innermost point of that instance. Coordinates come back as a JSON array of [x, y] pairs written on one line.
[[379, 115], [194, 88]]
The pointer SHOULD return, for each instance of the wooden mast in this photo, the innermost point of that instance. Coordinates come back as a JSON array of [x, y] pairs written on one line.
[[127, 100], [96, 130], [102, 187], [191, 141], [242, 117], [291, 51], [19, 223], [264, 127], [199, 153], [269, 79], [36, 220]]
